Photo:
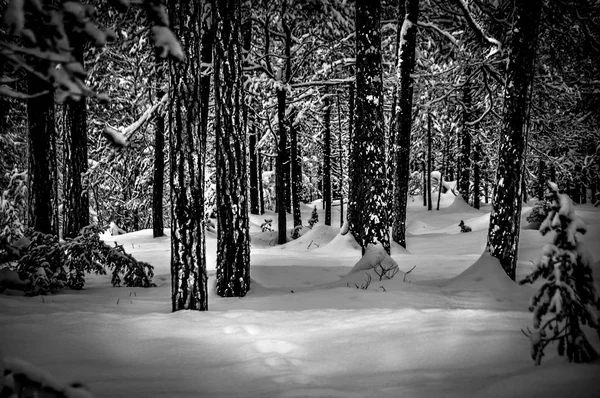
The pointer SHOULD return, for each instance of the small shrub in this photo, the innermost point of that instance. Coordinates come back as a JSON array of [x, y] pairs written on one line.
[[539, 212], [51, 265], [314, 218]]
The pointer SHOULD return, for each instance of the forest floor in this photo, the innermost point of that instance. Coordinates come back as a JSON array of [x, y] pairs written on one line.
[[450, 328]]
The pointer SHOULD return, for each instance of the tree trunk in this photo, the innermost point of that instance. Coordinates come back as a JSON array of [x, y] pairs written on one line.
[[233, 239], [159, 173], [541, 188], [76, 210], [442, 173], [282, 164], [42, 157], [503, 234], [341, 162], [261, 192], [368, 220], [429, 161], [254, 197], [296, 178], [476, 176], [424, 168], [327, 158], [188, 259], [465, 142], [404, 69]]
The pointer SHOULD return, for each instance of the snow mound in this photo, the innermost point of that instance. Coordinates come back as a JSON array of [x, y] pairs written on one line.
[[459, 205], [316, 237], [374, 255], [485, 275], [342, 245], [418, 227]]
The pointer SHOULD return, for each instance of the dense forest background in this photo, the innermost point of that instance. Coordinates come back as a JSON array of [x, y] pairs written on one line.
[[180, 116]]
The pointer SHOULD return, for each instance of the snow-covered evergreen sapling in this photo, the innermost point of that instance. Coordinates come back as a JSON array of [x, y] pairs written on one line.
[[314, 218], [568, 298]]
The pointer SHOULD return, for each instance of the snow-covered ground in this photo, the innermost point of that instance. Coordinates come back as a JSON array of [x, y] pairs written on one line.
[[450, 328]]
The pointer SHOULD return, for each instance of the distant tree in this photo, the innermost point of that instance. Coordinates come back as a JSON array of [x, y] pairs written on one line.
[[76, 212], [403, 124], [503, 234], [43, 206], [159, 169], [186, 146], [233, 239], [367, 207], [327, 195]]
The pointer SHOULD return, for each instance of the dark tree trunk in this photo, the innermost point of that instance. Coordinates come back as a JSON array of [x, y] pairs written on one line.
[[159, 173], [465, 140], [424, 168], [233, 238], [188, 260], [327, 158], [254, 197], [296, 158], [77, 207], [341, 162], [429, 161], [442, 174], [368, 220], [476, 176], [250, 123], [404, 69], [282, 165], [42, 158], [541, 180], [285, 19], [350, 140], [261, 192], [503, 234]]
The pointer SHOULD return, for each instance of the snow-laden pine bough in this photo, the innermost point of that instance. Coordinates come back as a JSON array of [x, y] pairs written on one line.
[[568, 300], [19, 378]]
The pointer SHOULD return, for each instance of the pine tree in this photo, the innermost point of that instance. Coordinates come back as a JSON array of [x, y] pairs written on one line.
[[568, 298], [367, 206]]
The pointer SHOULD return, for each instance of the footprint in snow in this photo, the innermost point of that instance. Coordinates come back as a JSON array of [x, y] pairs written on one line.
[[274, 346], [252, 330]]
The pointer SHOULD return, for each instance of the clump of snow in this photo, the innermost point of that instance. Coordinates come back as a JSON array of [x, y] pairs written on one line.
[[375, 255]]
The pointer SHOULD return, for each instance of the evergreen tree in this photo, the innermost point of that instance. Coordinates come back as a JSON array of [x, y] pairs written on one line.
[[367, 207], [568, 298]]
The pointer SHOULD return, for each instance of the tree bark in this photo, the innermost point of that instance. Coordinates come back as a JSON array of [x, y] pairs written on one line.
[[233, 239], [76, 210], [261, 192], [476, 176], [503, 234], [282, 164], [406, 62], [429, 162], [368, 221], [254, 197], [159, 173], [464, 171], [188, 259], [296, 158], [42, 158], [327, 158]]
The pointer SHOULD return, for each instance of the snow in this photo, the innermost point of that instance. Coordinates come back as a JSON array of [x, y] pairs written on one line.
[[450, 328]]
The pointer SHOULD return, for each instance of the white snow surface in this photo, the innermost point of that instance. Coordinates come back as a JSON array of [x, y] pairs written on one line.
[[450, 328]]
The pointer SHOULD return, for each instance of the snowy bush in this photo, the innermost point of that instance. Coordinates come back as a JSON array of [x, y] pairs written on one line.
[[13, 205], [314, 218], [51, 265], [539, 212], [22, 379], [568, 298]]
